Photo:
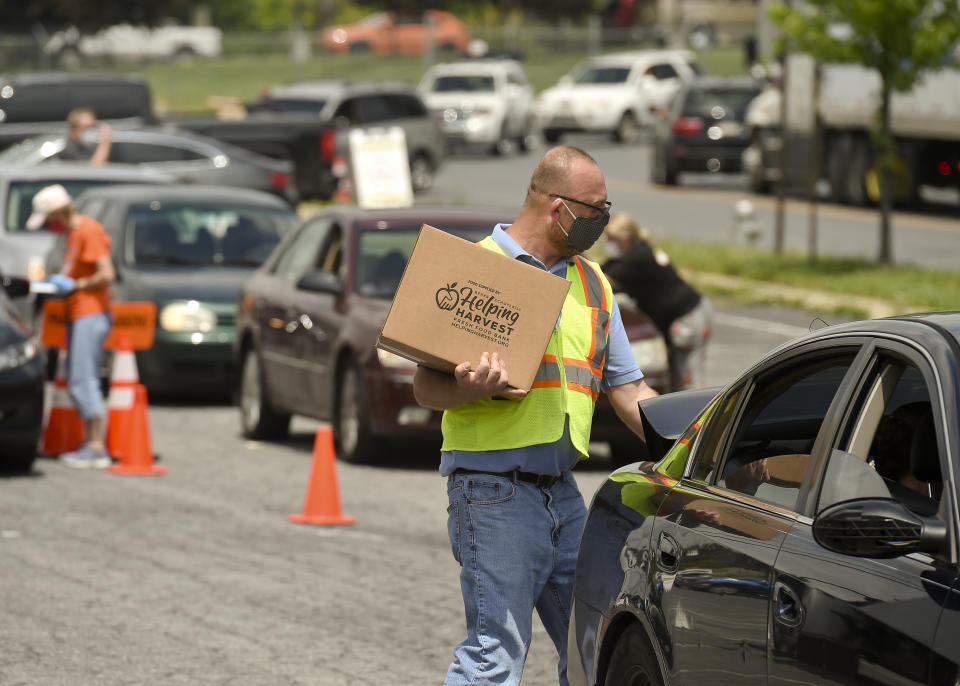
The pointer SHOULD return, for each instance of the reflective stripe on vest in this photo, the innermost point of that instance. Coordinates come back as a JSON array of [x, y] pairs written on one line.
[[565, 388]]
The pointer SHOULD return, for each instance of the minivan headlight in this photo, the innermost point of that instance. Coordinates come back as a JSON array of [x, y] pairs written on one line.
[[190, 316]]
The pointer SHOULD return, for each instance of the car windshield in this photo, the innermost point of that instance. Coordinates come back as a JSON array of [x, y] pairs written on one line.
[[603, 75], [382, 256], [702, 101], [462, 82], [162, 233], [20, 197]]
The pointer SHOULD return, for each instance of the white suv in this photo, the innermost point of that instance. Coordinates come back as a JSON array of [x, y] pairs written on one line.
[[616, 93], [481, 102]]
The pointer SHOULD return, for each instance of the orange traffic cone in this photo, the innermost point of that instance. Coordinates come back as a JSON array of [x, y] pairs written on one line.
[[64, 430], [120, 403], [322, 504], [136, 457]]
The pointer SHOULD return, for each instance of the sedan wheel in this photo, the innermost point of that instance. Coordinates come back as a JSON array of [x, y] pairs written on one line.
[[628, 130], [421, 174], [632, 662], [354, 441], [257, 418]]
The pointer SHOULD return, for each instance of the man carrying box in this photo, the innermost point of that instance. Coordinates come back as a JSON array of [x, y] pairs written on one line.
[[516, 513]]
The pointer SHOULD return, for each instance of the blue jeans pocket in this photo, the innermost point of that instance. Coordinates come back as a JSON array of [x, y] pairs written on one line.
[[480, 492]]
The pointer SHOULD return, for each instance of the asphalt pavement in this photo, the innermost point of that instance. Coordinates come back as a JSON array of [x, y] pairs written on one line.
[[198, 576]]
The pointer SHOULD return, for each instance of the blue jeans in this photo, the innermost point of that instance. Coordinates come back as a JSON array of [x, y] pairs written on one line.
[[517, 548], [85, 338]]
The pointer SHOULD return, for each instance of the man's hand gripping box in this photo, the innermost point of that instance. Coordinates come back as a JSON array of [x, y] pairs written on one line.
[[458, 300]]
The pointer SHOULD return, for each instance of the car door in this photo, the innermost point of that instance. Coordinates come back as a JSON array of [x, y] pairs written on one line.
[[320, 316], [278, 315], [716, 536], [839, 619]]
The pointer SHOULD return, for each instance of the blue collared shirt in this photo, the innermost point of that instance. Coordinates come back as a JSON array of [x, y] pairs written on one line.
[[547, 458]]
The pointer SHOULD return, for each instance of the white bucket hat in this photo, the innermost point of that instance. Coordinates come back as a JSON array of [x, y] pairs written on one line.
[[46, 201]]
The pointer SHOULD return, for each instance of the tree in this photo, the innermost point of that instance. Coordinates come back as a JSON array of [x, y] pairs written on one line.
[[900, 39]]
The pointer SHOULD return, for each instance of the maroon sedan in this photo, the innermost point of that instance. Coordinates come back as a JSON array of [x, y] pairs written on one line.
[[308, 321]]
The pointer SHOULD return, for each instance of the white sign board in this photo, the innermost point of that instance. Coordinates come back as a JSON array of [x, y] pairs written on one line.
[[381, 170]]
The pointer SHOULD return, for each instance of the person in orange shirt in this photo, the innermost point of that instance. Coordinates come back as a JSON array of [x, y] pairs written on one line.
[[87, 274]]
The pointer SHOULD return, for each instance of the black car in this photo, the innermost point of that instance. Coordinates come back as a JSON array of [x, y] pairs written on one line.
[[704, 130], [21, 383], [309, 318], [799, 526], [188, 249]]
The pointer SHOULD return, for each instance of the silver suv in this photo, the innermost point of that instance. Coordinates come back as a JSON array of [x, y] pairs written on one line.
[[481, 102]]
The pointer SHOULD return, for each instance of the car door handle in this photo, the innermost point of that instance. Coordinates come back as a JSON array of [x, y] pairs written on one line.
[[668, 552], [788, 610]]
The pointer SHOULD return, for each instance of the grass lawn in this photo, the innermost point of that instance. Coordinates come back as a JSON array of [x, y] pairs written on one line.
[[905, 288], [185, 88]]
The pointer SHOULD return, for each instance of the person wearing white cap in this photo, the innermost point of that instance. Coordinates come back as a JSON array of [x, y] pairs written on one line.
[[87, 274]]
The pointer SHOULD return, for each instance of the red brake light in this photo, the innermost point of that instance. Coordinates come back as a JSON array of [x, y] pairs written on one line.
[[944, 168], [687, 126], [328, 146], [279, 180]]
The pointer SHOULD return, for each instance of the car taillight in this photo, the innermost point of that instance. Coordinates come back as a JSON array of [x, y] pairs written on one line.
[[279, 180], [687, 126], [328, 147]]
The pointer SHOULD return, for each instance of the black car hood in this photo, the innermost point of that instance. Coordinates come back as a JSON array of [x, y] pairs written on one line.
[[667, 416], [211, 284]]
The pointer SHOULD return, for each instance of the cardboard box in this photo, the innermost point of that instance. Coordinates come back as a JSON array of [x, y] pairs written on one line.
[[458, 300]]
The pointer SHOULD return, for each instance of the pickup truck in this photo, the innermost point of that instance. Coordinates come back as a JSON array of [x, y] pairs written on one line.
[[70, 48], [303, 123]]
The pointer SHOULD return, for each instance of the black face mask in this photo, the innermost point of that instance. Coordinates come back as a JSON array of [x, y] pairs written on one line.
[[584, 231]]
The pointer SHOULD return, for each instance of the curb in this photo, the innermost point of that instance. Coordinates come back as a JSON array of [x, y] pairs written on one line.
[[816, 301]]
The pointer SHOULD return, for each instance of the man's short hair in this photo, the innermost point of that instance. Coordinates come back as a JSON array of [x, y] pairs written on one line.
[[553, 172]]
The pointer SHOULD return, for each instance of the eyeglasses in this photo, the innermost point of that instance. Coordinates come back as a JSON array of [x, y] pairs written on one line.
[[603, 209]]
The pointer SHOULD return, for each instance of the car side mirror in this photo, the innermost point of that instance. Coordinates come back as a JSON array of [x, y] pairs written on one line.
[[877, 527], [320, 281], [15, 286]]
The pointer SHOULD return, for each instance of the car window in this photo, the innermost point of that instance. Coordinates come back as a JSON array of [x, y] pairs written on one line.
[[404, 105], [889, 448], [603, 75], [330, 258], [714, 433], [382, 256], [208, 234], [463, 82], [662, 71], [20, 197], [733, 101], [140, 153], [767, 451], [372, 108], [301, 254]]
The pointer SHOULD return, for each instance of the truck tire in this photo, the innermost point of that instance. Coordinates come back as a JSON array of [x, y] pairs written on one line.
[[860, 161], [837, 151]]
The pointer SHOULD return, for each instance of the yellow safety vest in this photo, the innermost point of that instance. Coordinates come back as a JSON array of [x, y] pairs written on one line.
[[566, 385]]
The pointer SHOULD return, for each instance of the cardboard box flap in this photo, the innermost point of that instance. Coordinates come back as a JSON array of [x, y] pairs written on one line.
[[458, 300]]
